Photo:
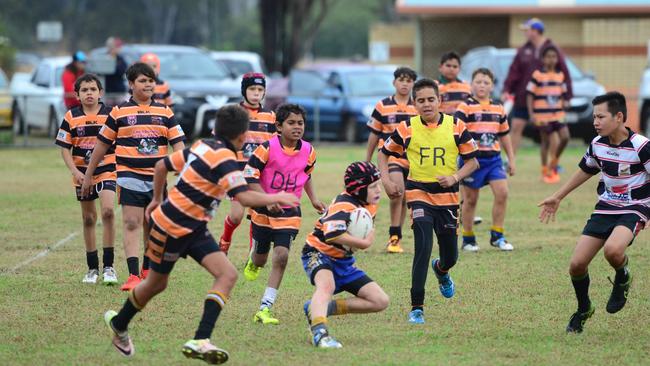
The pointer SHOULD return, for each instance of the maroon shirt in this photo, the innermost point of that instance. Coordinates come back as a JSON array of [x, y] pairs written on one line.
[[526, 61]]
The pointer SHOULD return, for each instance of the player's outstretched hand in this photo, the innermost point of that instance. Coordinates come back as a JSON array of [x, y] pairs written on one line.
[[391, 188], [152, 206], [287, 199], [549, 207], [319, 206], [447, 181]]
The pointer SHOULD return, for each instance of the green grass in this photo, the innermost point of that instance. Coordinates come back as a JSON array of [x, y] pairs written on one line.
[[510, 308]]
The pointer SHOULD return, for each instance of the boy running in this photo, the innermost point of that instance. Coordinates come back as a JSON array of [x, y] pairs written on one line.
[[207, 172], [546, 100], [623, 159], [433, 141], [141, 130], [282, 164], [328, 257], [77, 137], [262, 127], [161, 92], [388, 114], [487, 122]]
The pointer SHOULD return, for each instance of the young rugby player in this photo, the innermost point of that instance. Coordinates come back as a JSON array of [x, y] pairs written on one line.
[[77, 137], [141, 130], [453, 91], [433, 141], [328, 257], [623, 209], [262, 127], [487, 122], [208, 170], [388, 114], [161, 92], [282, 164]]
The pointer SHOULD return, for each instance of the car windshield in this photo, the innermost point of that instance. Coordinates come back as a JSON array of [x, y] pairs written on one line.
[[505, 60], [186, 65], [370, 83], [237, 67]]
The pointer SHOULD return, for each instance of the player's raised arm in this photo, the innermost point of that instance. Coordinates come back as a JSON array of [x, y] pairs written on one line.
[[551, 204]]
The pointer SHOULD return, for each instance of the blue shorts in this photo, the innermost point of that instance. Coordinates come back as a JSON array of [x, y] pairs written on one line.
[[347, 277], [490, 169]]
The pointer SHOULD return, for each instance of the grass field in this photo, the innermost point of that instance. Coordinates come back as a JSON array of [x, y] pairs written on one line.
[[509, 309]]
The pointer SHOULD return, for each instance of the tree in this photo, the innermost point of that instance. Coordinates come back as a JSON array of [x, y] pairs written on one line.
[[288, 29]]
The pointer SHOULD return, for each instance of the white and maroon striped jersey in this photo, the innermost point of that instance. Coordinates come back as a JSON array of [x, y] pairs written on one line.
[[624, 185]]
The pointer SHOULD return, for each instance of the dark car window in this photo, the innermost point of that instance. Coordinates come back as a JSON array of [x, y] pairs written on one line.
[[370, 83], [189, 65], [305, 82]]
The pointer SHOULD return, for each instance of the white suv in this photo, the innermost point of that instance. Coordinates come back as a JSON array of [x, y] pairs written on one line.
[[38, 100]]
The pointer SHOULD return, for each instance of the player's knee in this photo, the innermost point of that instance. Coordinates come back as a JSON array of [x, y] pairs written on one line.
[[89, 219], [235, 220], [501, 196], [328, 287], [108, 214], [229, 277], [577, 267], [613, 254], [280, 259], [381, 301], [131, 224]]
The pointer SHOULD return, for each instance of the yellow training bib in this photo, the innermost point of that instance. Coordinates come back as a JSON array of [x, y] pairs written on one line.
[[432, 150]]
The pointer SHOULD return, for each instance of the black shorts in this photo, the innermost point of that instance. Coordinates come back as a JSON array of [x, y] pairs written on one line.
[[263, 237], [163, 250], [108, 185], [444, 221], [127, 197], [601, 225], [520, 112], [551, 127]]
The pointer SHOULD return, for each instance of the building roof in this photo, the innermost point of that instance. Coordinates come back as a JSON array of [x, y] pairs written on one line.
[[507, 7]]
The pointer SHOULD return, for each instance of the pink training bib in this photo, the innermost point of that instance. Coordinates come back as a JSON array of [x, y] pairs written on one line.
[[284, 172]]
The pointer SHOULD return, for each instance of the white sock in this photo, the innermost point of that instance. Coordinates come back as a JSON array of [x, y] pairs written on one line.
[[269, 297]]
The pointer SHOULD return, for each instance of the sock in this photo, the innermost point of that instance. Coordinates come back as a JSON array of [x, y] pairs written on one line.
[[417, 299], [553, 165], [92, 260], [319, 325], [269, 298], [228, 229], [581, 287], [544, 170], [395, 231], [145, 261], [337, 307], [123, 318], [418, 307], [438, 270], [250, 238], [214, 302], [496, 232], [622, 273], [133, 265], [469, 237], [107, 257]]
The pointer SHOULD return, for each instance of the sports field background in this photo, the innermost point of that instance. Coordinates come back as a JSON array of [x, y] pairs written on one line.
[[509, 309]]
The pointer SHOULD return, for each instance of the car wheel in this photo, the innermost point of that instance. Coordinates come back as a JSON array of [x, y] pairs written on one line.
[[53, 125], [17, 120], [349, 130]]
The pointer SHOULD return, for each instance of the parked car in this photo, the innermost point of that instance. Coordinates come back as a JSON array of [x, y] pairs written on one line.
[[38, 97], [579, 117], [239, 62], [5, 102], [199, 85], [345, 96], [644, 103]]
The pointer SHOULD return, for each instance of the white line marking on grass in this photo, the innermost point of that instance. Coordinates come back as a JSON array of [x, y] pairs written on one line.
[[45, 252]]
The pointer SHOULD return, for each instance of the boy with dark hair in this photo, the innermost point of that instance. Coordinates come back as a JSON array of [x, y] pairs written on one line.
[[388, 114], [623, 209], [262, 127], [328, 257], [141, 130], [282, 164], [161, 92], [487, 122], [77, 137], [546, 101], [433, 142], [453, 91], [207, 172]]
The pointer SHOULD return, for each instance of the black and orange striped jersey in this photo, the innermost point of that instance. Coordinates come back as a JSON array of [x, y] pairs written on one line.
[[161, 93], [207, 171], [260, 129], [141, 134], [387, 115], [432, 151], [452, 93], [334, 223], [79, 132], [486, 122], [548, 89]]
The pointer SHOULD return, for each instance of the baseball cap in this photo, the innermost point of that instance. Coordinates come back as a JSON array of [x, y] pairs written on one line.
[[79, 56], [533, 23]]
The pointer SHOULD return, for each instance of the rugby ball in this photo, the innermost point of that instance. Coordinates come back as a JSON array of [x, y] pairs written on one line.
[[360, 223]]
